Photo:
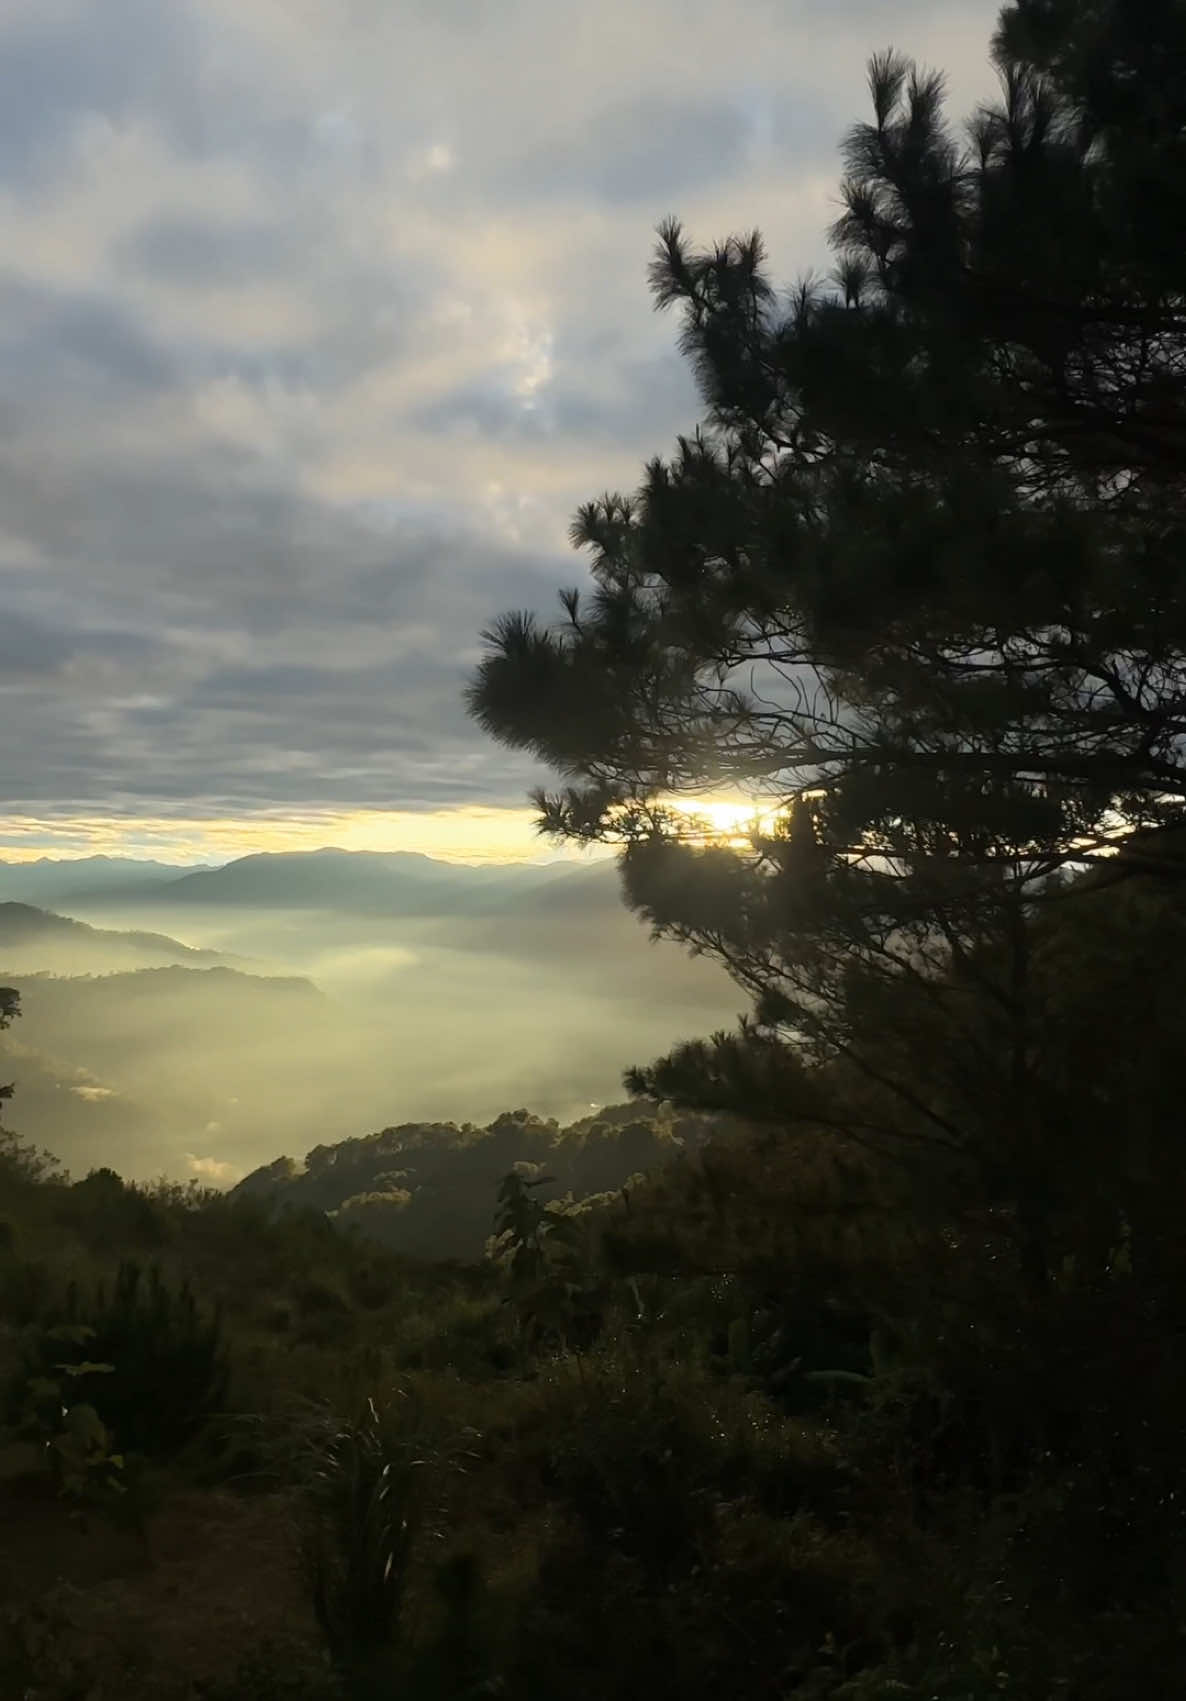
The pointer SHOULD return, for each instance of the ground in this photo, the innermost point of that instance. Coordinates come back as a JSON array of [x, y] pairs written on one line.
[[211, 1582]]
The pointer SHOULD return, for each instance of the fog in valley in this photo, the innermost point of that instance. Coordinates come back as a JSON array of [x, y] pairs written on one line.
[[202, 1023]]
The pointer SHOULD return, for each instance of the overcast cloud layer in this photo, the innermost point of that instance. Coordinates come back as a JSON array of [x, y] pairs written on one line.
[[318, 318]]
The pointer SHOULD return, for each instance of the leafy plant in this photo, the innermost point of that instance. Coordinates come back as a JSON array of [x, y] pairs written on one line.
[[365, 1502], [635, 1472], [170, 1367], [554, 1293], [79, 1447]]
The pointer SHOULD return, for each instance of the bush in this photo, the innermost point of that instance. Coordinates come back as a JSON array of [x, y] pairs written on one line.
[[102, 1210], [373, 1285], [25, 1289], [364, 1504], [170, 1369]]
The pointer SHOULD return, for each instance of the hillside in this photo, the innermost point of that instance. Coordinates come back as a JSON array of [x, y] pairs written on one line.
[[88, 1016], [144, 1067], [36, 940], [425, 1189]]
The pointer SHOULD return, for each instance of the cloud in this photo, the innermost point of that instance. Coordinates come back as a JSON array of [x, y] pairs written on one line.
[[61, 63], [468, 833], [316, 324], [429, 161], [212, 1170], [30, 649], [66, 340], [644, 147], [198, 254]]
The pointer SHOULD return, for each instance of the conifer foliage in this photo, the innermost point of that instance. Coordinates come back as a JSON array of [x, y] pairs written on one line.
[[915, 587]]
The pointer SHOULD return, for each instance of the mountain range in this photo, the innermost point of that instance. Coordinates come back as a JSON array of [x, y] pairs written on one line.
[[51, 880], [393, 883], [290, 998], [388, 883]]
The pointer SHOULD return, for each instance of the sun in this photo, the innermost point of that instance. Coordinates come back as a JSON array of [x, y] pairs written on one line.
[[728, 821]]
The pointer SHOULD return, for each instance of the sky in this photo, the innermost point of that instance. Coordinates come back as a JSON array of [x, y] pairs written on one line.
[[318, 320]]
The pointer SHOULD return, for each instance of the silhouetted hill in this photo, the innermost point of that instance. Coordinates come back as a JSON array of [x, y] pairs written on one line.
[[427, 1189], [35, 940]]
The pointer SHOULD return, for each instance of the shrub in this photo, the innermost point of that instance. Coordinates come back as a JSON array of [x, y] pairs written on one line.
[[103, 1210], [373, 1285], [316, 1298], [632, 1467], [170, 1368], [364, 1503], [25, 1289]]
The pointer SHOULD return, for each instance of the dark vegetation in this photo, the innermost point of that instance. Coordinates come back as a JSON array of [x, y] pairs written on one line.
[[875, 1386], [427, 1188]]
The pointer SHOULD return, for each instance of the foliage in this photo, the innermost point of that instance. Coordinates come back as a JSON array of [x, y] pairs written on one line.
[[915, 590], [680, 1506], [554, 1291], [358, 1546], [921, 565], [424, 1188], [79, 1448], [169, 1367], [19, 1162], [372, 1491]]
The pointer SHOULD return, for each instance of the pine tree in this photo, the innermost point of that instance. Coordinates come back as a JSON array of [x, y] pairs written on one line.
[[915, 585], [923, 558]]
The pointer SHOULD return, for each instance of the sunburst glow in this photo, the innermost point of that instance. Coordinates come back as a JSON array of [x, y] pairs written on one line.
[[728, 821]]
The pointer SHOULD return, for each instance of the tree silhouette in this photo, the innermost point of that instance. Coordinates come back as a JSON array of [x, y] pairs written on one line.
[[922, 562], [914, 586]]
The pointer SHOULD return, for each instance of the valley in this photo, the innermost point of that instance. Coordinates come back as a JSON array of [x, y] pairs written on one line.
[[199, 1022]]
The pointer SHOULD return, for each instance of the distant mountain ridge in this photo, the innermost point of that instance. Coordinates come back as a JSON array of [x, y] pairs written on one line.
[[393, 883], [50, 879], [357, 878], [373, 979]]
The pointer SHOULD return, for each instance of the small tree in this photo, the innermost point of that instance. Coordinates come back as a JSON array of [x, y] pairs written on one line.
[[552, 1292]]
